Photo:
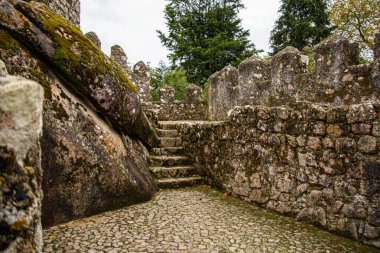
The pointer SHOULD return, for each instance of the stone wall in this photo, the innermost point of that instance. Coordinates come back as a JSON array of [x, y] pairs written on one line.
[[318, 164], [338, 79], [193, 108], [20, 164]]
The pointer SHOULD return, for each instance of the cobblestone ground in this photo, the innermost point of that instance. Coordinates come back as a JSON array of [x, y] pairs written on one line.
[[193, 220]]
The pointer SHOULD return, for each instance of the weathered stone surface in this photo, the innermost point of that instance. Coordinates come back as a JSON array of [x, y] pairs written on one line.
[[222, 93], [89, 166], [167, 95], [119, 56], [20, 165], [193, 93], [332, 57], [143, 86], [253, 72], [93, 37], [3, 69], [330, 181], [367, 144], [286, 65]]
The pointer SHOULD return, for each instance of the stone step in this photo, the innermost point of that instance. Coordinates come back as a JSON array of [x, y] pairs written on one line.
[[179, 182], [170, 142], [173, 172], [156, 161], [167, 125], [167, 133], [168, 151]]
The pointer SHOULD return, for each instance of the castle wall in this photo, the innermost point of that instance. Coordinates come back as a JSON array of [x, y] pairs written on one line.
[[338, 79], [314, 163], [192, 108]]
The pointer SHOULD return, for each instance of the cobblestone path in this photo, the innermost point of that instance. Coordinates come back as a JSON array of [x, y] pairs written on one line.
[[193, 220]]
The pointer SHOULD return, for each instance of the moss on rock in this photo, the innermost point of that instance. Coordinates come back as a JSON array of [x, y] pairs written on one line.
[[75, 54]]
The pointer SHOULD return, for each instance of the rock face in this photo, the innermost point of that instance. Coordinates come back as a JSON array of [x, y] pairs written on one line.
[[20, 164], [92, 151]]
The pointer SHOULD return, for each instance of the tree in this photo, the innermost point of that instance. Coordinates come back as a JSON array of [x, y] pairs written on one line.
[[205, 36], [157, 79], [302, 23], [356, 19], [171, 76]]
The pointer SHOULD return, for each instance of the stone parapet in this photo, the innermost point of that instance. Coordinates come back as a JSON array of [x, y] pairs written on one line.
[[338, 79]]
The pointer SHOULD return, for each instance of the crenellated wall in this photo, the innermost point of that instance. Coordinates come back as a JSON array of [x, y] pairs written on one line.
[[338, 79], [301, 144], [193, 108]]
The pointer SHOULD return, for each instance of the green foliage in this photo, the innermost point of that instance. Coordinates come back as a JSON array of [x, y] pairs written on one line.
[[311, 64], [356, 20], [302, 23], [177, 79], [174, 77], [157, 80], [205, 36]]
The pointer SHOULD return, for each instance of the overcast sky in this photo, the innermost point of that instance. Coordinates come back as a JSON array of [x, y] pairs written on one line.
[[132, 24]]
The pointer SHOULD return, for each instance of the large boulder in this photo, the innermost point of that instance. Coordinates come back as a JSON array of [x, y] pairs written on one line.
[[20, 164], [94, 129]]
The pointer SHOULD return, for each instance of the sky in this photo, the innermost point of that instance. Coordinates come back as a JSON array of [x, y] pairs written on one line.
[[132, 24]]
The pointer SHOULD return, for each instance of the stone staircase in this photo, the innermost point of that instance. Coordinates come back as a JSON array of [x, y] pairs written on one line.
[[169, 166]]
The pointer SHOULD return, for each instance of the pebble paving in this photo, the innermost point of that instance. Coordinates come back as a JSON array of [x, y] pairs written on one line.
[[196, 219]]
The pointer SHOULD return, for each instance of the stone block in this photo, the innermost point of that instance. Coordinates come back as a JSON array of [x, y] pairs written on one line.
[[252, 72], [345, 145], [93, 37], [370, 169], [193, 93], [285, 67], [367, 144], [143, 80], [361, 128], [167, 94], [376, 129], [334, 131], [119, 56], [361, 113], [223, 93], [332, 57]]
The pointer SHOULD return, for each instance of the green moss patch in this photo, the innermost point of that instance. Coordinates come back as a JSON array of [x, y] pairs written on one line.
[[77, 58]]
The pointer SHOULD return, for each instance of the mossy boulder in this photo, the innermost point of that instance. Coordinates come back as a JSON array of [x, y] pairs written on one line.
[[90, 165], [80, 64]]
